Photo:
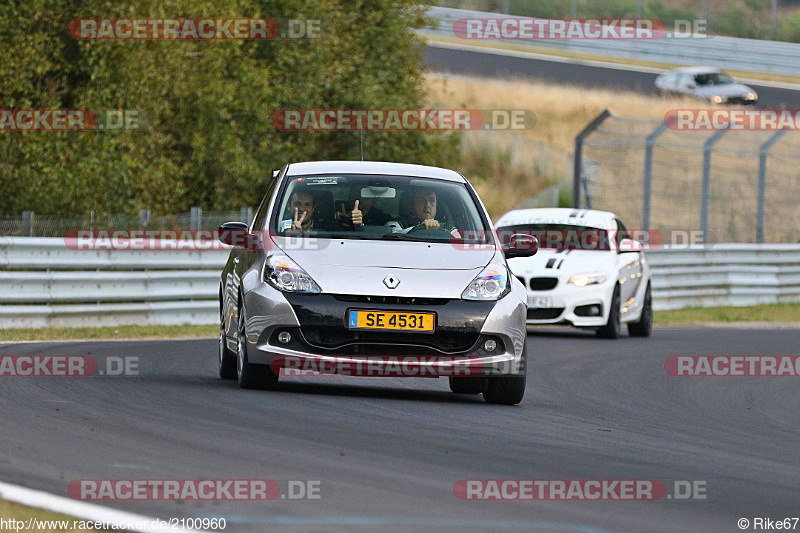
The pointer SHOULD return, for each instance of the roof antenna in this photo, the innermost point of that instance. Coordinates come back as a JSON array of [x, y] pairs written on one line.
[[362, 143]]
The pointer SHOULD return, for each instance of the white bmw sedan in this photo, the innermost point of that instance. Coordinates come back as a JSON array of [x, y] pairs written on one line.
[[589, 272]]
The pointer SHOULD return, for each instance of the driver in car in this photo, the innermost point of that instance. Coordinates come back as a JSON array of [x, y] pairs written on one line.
[[422, 212]]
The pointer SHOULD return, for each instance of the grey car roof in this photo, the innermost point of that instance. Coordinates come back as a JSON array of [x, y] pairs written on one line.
[[372, 167]]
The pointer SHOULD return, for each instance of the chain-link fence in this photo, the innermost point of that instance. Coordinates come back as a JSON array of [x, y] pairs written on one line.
[[30, 224], [733, 186]]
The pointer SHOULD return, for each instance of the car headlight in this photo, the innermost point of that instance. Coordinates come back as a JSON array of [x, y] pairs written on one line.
[[752, 96], [491, 284], [286, 275], [717, 99], [582, 280]]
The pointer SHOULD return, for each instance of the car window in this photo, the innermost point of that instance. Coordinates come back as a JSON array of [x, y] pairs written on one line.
[[712, 78], [560, 236], [261, 213], [622, 231], [390, 207]]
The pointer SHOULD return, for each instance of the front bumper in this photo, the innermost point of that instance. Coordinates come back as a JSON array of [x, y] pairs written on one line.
[[570, 304], [321, 341]]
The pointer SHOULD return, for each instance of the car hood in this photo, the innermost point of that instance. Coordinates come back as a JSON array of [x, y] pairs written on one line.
[[548, 262], [727, 90], [349, 266]]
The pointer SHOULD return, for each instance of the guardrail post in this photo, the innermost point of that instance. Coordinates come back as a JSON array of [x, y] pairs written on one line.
[[577, 176], [246, 214], [27, 223], [707, 147], [648, 172], [144, 217], [196, 218], [763, 152]]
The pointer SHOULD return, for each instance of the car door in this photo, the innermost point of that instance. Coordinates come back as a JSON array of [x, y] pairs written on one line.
[[629, 268]]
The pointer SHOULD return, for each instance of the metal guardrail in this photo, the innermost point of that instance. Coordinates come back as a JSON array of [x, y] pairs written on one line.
[[42, 283], [725, 275], [724, 52]]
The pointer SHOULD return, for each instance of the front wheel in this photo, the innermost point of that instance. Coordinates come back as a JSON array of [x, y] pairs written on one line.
[[612, 328], [644, 326], [507, 390], [226, 358], [465, 385], [251, 376]]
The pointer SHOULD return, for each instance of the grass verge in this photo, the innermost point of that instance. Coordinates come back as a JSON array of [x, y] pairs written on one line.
[[756, 313], [52, 521], [117, 332], [777, 313]]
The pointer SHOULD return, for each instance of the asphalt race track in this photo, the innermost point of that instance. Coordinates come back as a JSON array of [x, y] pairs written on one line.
[[388, 452], [465, 62]]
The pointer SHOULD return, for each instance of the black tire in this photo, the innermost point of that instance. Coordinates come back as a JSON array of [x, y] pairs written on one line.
[[612, 328], [644, 326], [226, 358], [465, 385], [506, 390], [251, 376]]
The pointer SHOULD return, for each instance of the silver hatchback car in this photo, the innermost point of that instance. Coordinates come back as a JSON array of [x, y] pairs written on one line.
[[373, 269]]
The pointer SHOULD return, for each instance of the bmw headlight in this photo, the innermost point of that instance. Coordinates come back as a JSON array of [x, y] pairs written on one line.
[[717, 99], [490, 284], [286, 275], [582, 280], [752, 96]]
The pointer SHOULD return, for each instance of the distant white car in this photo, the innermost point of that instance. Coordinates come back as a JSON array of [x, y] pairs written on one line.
[[588, 272], [706, 83]]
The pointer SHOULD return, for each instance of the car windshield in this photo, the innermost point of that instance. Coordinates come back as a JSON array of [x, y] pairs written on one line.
[[376, 207], [712, 78], [561, 236]]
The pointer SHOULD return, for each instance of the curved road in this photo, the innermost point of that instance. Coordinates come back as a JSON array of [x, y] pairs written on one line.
[[387, 452], [569, 72]]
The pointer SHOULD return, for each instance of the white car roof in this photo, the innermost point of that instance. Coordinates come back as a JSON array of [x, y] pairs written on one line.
[[697, 70], [373, 167], [559, 215]]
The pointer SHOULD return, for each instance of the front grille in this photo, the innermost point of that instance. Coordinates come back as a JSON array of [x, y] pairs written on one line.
[[339, 338], [543, 284], [402, 300], [545, 314]]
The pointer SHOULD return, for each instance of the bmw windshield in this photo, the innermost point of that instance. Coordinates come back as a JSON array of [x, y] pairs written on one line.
[[384, 207]]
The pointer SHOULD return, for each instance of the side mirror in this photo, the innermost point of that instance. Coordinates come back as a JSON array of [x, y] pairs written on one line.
[[629, 245], [233, 233], [521, 245]]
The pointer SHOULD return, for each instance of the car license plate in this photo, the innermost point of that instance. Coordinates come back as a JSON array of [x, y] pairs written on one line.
[[390, 320], [540, 302]]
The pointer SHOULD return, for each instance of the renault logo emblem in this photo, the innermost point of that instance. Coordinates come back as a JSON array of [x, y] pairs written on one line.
[[391, 281]]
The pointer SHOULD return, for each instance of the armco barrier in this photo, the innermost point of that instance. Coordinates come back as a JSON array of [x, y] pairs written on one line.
[[43, 283], [724, 52]]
